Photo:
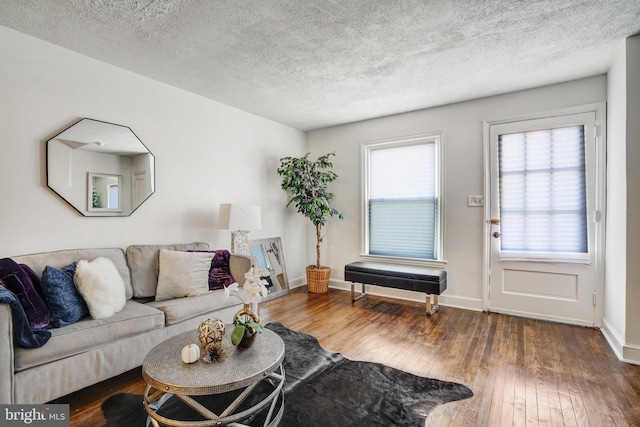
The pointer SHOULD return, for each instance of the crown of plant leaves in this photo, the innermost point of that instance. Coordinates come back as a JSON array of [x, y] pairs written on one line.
[[307, 181]]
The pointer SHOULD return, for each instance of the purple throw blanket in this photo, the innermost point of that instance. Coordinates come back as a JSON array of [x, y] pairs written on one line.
[[23, 335]]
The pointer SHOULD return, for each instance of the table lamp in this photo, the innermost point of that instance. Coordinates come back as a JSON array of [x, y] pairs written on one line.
[[239, 219]]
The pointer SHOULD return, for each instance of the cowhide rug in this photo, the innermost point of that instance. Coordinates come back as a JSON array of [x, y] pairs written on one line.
[[321, 389]]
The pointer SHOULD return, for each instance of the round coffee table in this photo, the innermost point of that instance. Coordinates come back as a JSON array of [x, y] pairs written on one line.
[[167, 375]]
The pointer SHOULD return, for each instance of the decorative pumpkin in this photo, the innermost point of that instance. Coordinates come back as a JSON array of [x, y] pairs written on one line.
[[211, 331], [190, 353]]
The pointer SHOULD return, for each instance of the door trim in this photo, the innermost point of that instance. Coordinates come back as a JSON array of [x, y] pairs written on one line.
[[599, 109]]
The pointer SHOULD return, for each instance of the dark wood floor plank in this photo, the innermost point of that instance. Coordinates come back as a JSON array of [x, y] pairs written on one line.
[[604, 408], [547, 383], [472, 364], [530, 371], [522, 371]]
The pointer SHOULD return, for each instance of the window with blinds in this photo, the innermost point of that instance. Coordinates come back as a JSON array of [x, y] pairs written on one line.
[[543, 205], [403, 203], [260, 253]]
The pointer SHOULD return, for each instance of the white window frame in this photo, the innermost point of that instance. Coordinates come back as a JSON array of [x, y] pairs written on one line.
[[365, 148], [595, 168]]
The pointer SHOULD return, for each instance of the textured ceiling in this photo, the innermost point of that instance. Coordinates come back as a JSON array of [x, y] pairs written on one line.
[[316, 63]]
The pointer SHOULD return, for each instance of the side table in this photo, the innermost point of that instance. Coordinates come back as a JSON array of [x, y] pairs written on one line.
[[167, 375]]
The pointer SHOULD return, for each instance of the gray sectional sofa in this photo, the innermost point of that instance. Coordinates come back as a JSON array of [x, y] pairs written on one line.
[[90, 351]]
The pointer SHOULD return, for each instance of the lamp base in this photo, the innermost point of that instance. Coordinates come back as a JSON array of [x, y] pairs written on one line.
[[240, 242]]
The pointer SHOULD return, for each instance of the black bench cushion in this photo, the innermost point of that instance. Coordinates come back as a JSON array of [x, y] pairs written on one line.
[[397, 276]]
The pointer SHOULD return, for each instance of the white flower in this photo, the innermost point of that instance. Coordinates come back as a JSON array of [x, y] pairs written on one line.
[[263, 288], [254, 288], [229, 289], [251, 292], [255, 274]]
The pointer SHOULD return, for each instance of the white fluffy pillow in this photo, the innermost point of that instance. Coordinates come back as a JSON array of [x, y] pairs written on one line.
[[101, 287], [182, 274]]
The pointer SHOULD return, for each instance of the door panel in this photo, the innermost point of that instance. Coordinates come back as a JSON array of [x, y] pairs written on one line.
[[533, 282], [540, 284], [562, 292]]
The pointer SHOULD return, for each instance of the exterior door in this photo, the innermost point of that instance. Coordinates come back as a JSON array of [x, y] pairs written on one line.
[[544, 224]]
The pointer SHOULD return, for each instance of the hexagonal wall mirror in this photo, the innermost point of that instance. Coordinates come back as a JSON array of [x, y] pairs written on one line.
[[100, 168]]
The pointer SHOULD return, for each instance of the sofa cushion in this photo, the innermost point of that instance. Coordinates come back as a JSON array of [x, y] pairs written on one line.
[[134, 319], [20, 281], [101, 287], [57, 259], [182, 274], [179, 309], [65, 303], [143, 264]]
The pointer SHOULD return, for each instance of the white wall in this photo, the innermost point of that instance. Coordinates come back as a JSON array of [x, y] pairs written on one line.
[[614, 323], [633, 198], [461, 125], [206, 153], [622, 295]]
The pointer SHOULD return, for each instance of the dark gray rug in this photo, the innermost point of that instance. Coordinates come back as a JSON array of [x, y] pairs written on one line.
[[321, 389]]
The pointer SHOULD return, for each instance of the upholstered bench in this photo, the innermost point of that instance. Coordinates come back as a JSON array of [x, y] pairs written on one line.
[[419, 279]]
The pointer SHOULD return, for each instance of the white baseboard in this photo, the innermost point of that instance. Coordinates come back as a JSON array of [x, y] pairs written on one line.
[[628, 353], [296, 283], [631, 354], [613, 338]]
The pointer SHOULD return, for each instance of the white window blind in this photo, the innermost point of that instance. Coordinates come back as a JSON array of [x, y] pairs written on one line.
[[542, 191], [259, 252], [403, 200]]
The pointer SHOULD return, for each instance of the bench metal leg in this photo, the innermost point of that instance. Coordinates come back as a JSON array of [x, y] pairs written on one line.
[[363, 292], [432, 308]]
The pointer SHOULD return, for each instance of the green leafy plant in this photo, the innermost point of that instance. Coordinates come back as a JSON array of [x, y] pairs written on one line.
[[95, 199], [307, 181], [240, 328]]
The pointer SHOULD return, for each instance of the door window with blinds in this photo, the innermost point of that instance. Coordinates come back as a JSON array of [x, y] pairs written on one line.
[[543, 192], [402, 198]]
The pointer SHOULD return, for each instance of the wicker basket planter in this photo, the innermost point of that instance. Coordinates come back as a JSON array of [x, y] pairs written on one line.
[[318, 279]]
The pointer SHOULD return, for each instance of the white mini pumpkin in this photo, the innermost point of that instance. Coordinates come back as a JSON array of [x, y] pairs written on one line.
[[190, 353]]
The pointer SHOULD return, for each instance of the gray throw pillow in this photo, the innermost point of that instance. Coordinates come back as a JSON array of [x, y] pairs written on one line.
[[182, 274]]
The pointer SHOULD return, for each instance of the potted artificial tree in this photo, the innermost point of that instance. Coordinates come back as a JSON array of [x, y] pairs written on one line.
[[307, 181]]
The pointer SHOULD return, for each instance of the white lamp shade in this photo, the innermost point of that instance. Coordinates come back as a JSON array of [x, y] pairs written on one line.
[[239, 217]]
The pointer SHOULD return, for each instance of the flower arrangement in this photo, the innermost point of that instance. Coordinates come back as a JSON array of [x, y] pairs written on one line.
[[253, 291]]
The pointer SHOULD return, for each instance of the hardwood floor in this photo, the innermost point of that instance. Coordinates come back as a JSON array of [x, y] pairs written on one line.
[[523, 372]]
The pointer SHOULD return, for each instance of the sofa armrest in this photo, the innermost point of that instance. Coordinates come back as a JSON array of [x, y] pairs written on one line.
[[239, 265], [6, 355]]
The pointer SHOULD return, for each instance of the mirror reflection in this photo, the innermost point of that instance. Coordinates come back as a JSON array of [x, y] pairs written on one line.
[[270, 257], [105, 192], [99, 168]]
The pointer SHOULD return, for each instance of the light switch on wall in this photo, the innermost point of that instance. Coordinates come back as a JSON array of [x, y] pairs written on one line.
[[475, 201]]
